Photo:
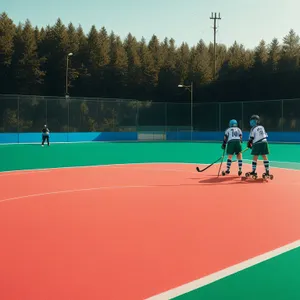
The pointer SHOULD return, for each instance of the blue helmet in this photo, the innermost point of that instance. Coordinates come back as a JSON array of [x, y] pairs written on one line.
[[233, 123], [254, 120]]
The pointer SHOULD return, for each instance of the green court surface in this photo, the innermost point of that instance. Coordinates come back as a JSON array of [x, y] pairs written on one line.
[[33, 156], [277, 279]]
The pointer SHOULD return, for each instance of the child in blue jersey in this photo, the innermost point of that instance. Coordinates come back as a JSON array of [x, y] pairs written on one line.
[[233, 139]]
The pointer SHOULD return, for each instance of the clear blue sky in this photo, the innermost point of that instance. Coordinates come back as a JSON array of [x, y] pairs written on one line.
[[246, 21]]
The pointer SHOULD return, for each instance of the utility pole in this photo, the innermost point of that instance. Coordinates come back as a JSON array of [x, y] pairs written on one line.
[[215, 18]]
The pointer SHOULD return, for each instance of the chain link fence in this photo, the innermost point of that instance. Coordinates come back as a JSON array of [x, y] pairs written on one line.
[[20, 113]]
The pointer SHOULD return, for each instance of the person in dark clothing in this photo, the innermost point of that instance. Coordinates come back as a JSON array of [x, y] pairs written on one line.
[[45, 135]]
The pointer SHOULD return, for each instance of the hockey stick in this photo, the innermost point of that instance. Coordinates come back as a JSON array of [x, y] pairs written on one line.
[[198, 170], [221, 162]]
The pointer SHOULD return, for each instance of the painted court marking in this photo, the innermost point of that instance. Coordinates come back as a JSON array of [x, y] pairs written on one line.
[[80, 190], [15, 173], [224, 273], [25, 172]]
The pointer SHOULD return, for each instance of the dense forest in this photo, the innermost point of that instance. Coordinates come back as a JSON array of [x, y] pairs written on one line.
[[33, 62]]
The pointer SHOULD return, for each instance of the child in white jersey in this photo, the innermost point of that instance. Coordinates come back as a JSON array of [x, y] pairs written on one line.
[[233, 138], [259, 145]]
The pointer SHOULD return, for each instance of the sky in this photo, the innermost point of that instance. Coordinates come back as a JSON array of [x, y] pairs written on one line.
[[244, 21]]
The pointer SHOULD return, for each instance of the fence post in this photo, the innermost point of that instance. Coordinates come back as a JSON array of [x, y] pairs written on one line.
[[220, 108], [46, 110], [137, 116], [68, 103], [282, 120], [18, 99], [113, 119], [242, 115], [166, 118]]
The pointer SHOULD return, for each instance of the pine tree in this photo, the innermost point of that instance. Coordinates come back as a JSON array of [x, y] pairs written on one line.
[[291, 44], [94, 46], [261, 56], [117, 73], [54, 49], [98, 53], [134, 65], [274, 55], [182, 62], [157, 55], [7, 33], [156, 52], [148, 75], [200, 64], [171, 55], [290, 52], [164, 49], [81, 65], [104, 47], [221, 56], [73, 47], [26, 62]]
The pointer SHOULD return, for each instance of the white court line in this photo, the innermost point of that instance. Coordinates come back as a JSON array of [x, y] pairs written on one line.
[[101, 187], [116, 166], [196, 284], [132, 164], [80, 190], [78, 167], [23, 173]]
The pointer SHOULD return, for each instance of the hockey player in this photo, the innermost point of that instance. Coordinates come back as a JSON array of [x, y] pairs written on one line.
[[259, 145], [233, 138], [45, 135]]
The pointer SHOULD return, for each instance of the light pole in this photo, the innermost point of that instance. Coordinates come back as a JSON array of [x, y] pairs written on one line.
[[190, 88], [67, 73]]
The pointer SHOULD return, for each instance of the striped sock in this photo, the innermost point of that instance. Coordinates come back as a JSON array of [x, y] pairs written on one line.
[[254, 164], [267, 165], [240, 164], [228, 164]]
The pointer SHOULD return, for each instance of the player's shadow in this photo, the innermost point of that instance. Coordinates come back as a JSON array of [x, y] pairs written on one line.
[[214, 179]]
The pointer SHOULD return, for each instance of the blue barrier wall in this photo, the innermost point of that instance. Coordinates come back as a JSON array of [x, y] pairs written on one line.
[[9, 138], [64, 137], [283, 137]]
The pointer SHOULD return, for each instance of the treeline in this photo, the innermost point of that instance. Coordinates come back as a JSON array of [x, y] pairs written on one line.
[[33, 61]]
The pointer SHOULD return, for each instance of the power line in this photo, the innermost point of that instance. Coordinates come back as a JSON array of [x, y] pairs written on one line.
[[215, 18]]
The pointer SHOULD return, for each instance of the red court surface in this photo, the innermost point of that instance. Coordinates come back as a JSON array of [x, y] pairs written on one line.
[[133, 231]]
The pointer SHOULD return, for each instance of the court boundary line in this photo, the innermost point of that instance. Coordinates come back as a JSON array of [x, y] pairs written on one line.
[[209, 279], [132, 164], [78, 191], [91, 188]]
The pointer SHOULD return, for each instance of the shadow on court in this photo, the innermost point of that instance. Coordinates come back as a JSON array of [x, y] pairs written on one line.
[[215, 180]]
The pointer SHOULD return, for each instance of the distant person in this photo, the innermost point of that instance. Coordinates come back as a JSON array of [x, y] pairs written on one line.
[[233, 139], [45, 135]]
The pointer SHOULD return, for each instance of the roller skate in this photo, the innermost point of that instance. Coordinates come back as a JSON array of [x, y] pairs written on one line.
[[267, 175], [251, 174], [225, 172], [240, 172]]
